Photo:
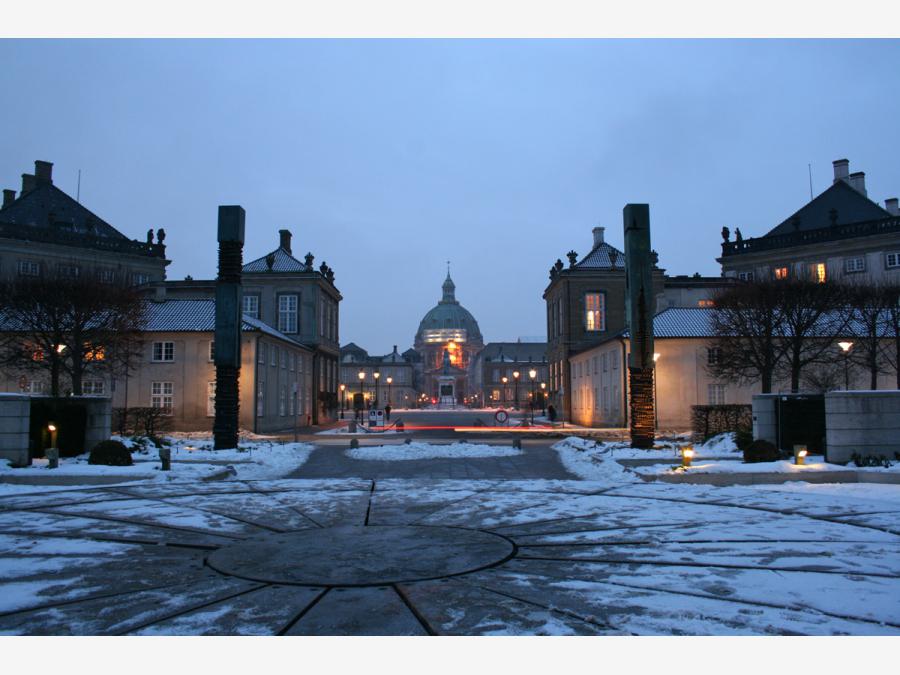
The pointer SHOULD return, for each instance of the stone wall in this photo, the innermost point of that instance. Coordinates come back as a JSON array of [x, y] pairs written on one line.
[[866, 423], [15, 415]]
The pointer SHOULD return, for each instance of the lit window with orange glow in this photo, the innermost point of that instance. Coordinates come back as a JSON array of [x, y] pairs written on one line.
[[706, 303], [594, 312], [94, 354], [819, 271], [781, 272]]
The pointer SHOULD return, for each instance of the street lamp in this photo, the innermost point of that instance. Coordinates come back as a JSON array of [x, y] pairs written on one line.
[[543, 399], [845, 347], [376, 375], [343, 405], [505, 381], [390, 381], [362, 376], [516, 389], [532, 374]]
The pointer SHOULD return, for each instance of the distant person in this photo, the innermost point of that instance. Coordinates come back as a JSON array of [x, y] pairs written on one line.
[[551, 413], [387, 412]]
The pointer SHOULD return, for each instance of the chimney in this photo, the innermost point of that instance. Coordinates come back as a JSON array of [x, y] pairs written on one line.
[[598, 236], [285, 239], [9, 196], [889, 204], [841, 169], [858, 182], [43, 171], [29, 182]]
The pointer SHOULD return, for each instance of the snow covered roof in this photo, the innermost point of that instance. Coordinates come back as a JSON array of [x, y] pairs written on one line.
[[602, 257], [283, 262], [198, 315]]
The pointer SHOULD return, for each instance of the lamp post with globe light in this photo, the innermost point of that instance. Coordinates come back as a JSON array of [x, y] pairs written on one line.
[[376, 375], [505, 381], [516, 374], [532, 374], [390, 381], [543, 399], [362, 376], [343, 405], [845, 347]]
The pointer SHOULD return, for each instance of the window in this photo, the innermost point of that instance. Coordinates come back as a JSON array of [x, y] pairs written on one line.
[[614, 359], [273, 353], [210, 399], [212, 350], [161, 396], [283, 359], [853, 265], [261, 357], [705, 303], [68, 271], [716, 394], [713, 355], [819, 273], [250, 306], [139, 279], [594, 312], [745, 276], [604, 360], [35, 387], [106, 276], [93, 387], [163, 351], [29, 268], [282, 400], [892, 260], [293, 361], [261, 399], [781, 272], [595, 364]]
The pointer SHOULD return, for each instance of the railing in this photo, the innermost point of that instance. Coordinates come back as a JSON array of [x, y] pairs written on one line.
[[802, 237], [51, 236]]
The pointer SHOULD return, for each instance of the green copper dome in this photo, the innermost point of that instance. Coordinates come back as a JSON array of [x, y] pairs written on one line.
[[448, 315]]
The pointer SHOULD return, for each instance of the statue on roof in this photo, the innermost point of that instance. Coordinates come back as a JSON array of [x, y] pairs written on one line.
[[309, 260], [726, 234], [573, 258], [160, 236], [150, 236]]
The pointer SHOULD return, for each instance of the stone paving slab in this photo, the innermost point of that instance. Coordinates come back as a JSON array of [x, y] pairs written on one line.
[[583, 559]]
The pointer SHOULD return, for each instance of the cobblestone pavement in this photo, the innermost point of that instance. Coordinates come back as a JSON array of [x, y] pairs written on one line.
[[462, 557], [538, 460]]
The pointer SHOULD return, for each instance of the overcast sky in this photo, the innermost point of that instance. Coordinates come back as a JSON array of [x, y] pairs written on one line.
[[387, 158]]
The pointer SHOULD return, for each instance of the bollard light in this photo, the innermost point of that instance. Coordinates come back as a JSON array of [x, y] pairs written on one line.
[[687, 454], [51, 427], [800, 453]]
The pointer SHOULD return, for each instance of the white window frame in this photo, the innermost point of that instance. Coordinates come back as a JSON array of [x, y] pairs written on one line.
[[93, 387], [745, 276], [139, 279], [253, 312], [68, 271], [162, 395], [595, 317], [892, 260], [29, 268], [288, 304], [166, 353], [855, 264], [715, 393], [211, 399], [106, 276]]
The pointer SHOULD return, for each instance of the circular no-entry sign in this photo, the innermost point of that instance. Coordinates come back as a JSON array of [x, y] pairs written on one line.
[[501, 416]]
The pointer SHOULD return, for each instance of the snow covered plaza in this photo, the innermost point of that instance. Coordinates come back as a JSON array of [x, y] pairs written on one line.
[[600, 553]]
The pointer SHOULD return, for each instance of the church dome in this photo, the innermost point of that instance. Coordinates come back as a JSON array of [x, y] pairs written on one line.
[[448, 319]]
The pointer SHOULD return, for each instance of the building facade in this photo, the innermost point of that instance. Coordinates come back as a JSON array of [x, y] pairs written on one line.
[[395, 384], [501, 374], [45, 232], [840, 235], [447, 341]]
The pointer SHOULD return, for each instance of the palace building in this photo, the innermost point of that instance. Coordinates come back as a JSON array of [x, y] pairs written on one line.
[[448, 340]]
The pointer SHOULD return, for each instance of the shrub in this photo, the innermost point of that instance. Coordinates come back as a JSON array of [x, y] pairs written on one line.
[[110, 453], [711, 420], [761, 451], [743, 439]]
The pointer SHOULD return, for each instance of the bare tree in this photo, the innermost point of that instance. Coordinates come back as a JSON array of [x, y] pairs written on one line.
[[890, 293], [813, 318], [71, 326], [870, 305], [746, 323]]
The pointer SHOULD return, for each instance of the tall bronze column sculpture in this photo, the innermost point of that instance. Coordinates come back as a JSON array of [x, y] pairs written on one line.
[[639, 305], [228, 326]]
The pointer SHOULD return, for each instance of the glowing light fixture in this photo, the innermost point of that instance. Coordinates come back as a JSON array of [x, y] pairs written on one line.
[[800, 453], [687, 454], [656, 356], [845, 346]]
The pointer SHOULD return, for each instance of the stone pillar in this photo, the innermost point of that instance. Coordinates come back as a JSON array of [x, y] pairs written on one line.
[[228, 326], [639, 301]]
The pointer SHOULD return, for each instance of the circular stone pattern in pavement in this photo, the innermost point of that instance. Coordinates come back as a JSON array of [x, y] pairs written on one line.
[[361, 555]]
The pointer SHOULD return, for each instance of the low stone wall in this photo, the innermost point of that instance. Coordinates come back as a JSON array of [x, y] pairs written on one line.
[[866, 423], [15, 415]]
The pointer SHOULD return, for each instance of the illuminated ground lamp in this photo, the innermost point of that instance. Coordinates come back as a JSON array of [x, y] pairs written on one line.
[[343, 388], [52, 452], [687, 454], [800, 453]]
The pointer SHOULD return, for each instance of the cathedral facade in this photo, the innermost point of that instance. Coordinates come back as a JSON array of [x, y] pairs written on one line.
[[448, 340]]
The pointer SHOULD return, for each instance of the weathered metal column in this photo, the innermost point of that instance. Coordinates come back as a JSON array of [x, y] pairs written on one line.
[[228, 326], [639, 306]]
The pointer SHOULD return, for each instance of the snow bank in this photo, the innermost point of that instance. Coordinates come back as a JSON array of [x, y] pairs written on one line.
[[390, 453], [592, 461], [813, 464]]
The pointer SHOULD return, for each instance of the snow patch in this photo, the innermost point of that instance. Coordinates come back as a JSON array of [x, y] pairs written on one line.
[[390, 453]]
